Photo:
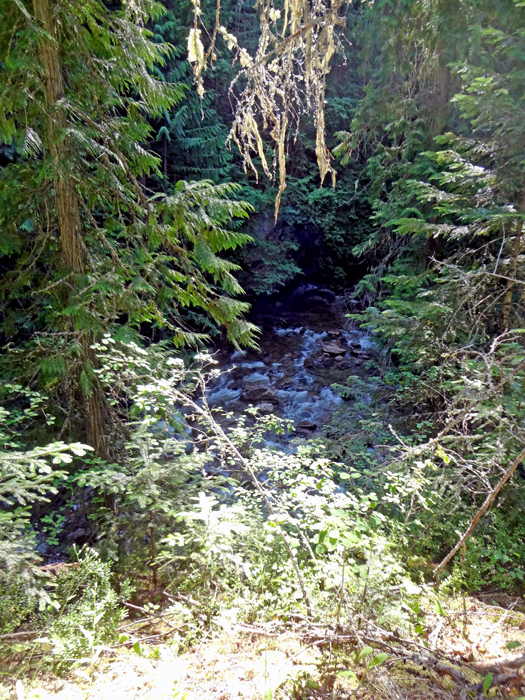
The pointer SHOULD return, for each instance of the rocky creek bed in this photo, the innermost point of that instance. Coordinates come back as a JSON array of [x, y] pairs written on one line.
[[306, 347]]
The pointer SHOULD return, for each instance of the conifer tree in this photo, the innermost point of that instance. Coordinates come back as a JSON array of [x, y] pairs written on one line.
[[191, 137], [85, 246], [457, 197]]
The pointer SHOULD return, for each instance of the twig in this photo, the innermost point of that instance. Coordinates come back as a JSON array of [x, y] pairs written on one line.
[[139, 621], [433, 636], [501, 679], [254, 630], [159, 617], [143, 639], [215, 32], [18, 635], [183, 597], [490, 499], [516, 661], [498, 623]]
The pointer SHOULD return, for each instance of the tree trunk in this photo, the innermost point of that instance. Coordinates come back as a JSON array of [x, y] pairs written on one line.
[[165, 163], [65, 195], [513, 268], [68, 210], [439, 118], [443, 90]]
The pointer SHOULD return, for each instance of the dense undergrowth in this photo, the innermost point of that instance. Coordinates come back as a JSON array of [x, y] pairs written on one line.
[[213, 529]]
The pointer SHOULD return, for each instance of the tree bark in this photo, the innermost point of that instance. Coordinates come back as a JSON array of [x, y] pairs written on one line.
[[442, 90], [68, 210], [65, 196], [516, 250], [165, 163]]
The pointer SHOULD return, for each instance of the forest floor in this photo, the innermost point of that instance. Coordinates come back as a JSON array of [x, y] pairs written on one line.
[[257, 664]]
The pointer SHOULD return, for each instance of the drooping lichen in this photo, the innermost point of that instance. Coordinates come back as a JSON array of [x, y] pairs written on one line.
[[284, 80]]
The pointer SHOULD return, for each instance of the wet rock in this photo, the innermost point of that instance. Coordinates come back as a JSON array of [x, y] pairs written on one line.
[[333, 348], [77, 534], [266, 407], [223, 396], [355, 344], [255, 394], [343, 362], [310, 296], [335, 334], [325, 361], [286, 383], [308, 362], [306, 425], [359, 352], [257, 378]]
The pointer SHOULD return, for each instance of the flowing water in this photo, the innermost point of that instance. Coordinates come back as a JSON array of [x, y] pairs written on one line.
[[306, 346]]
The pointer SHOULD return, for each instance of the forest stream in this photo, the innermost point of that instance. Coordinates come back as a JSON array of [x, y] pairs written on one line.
[[307, 345]]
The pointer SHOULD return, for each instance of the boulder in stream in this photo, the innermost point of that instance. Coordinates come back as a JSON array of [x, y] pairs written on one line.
[[324, 361], [343, 362], [360, 352], [266, 407], [333, 348], [308, 362], [255, 394], [310, 296]]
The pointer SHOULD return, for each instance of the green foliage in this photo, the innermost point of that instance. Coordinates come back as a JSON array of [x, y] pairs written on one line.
[[171, 521], [444, 290], [17, 602], [368, 664], [325, 223], [158, 470], [87, 612], [430, 198], [495, 555], [120, 255], [270, 263], [81, 618], [191, 136], [28, 475]]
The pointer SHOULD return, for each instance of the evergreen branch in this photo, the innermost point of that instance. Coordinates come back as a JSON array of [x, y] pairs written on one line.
[[122, 158], [459, 418], [488, 501]]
